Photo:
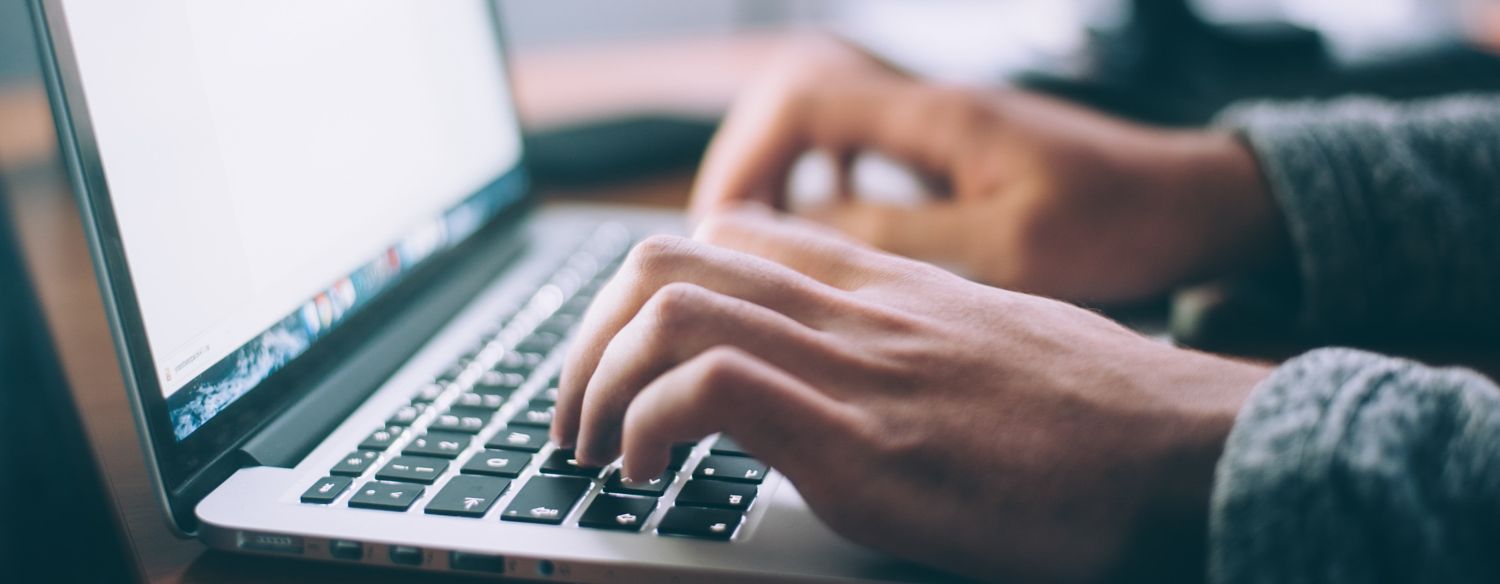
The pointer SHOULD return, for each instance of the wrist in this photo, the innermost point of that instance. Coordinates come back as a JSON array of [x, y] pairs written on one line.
[[1170, 535], [1224, 202]]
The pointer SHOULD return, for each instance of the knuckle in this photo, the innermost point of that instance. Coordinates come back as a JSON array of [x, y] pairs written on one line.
[[677, 305], [717, 374], [656, 252]]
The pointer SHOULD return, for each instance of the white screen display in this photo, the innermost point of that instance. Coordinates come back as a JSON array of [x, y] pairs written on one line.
[[256, 152]]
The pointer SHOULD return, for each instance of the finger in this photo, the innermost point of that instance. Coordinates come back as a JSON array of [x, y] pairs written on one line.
[[678, 323], [754, 148], [770, 412], [662, 260], [813, 249], [770, 127], [843, 173], [933, 231]]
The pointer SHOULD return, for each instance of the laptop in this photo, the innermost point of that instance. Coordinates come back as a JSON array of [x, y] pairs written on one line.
[[340, 311]]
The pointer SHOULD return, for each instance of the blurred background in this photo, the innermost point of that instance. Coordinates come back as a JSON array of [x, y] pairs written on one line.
[[632, 62]]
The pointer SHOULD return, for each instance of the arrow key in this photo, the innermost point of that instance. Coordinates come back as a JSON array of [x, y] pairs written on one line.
[[701, 523], [706, 493], [617, 513], [731, 468], [649, 488], [468, 496]]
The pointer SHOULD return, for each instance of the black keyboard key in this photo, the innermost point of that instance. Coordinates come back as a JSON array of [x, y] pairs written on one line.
[[731, 468], [439, 444], [482, 401], [519, 438], [383, 438], [467, 420], [652, 487], [428, 393], [727, 446], [680, 454], [498, 383], [413, 469], [701, 523], [546, 499], [561, 462], [385, 496], [467, 496], [536, 414], [355, 463], [718, 494], [617, 513], [326, 490], [499, 463], [406, 415]]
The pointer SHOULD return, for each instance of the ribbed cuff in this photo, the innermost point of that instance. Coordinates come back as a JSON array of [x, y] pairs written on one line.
[[1346, 466]]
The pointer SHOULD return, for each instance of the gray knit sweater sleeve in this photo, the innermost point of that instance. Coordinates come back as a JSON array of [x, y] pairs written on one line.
[[1346, 466], [1351, 467], [1393, 209]]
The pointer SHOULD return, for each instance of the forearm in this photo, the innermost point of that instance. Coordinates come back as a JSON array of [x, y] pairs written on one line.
[[1350, 467], [1392, 211]]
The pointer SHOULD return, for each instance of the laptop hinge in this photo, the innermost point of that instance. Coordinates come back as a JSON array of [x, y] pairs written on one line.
[[289, 437]]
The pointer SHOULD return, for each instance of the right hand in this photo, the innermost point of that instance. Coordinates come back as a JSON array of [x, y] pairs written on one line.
[[1042, 196], [995, 434]]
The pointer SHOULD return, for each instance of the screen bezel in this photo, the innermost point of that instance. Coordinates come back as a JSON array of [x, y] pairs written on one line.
[[174, 464]]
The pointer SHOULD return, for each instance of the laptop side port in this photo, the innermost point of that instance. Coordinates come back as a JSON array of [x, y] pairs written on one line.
[[406, 555], [470, 562], [346, 550]]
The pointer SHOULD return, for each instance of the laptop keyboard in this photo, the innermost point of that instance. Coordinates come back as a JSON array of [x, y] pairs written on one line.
[[475, 439]]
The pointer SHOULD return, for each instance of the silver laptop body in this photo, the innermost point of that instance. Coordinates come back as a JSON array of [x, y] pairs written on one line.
[[332, 428]]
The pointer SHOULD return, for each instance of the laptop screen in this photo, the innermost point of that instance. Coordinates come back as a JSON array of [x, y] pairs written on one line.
[[274, 165]]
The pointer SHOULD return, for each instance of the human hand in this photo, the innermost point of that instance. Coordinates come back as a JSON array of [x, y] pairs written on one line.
[[979, 430], [1039, 195]]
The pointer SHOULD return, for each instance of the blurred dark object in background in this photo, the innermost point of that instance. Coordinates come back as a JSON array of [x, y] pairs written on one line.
[[1168, 64], [1174, 62], [599, 152], [53, 504]]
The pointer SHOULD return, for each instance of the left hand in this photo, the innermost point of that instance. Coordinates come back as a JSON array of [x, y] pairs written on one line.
[[1000, 435], [1034, 193]]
